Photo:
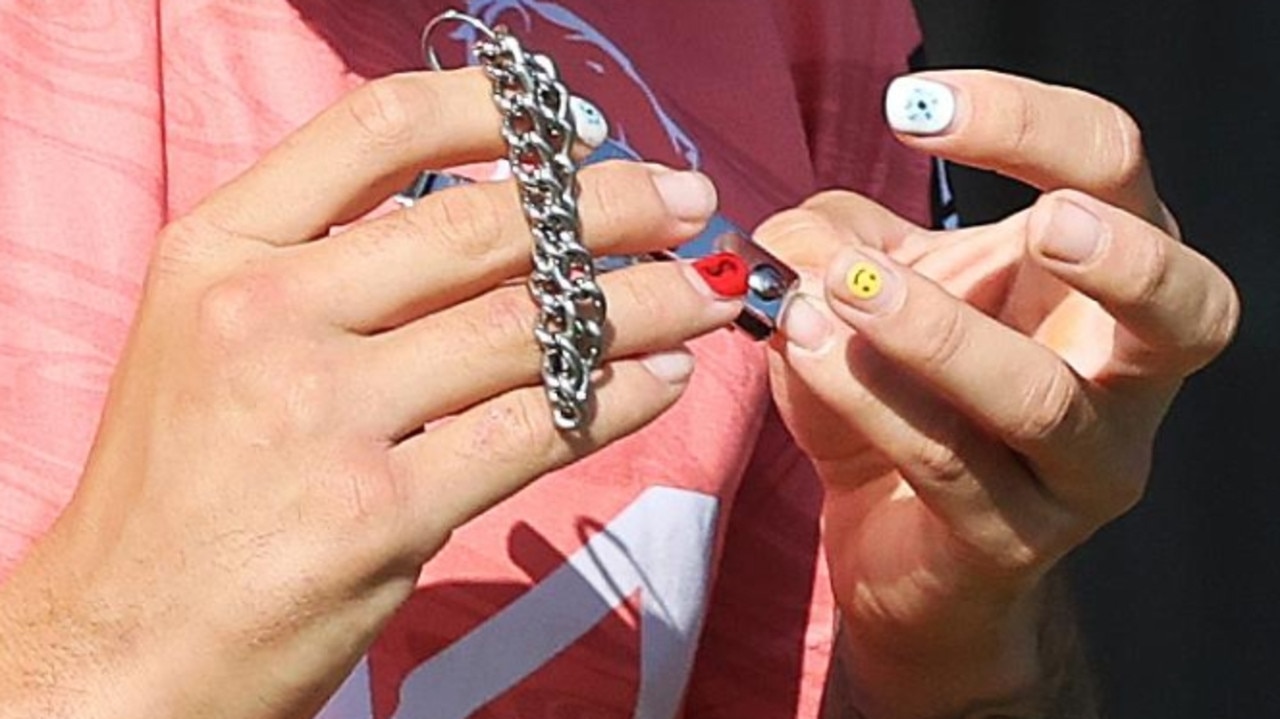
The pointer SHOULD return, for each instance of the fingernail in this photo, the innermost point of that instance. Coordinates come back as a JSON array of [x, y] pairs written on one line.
[[725, 273], [866, 284], [915, 106], [672, 367], [805, 326], [1073, 235], [715, 282], [690, 196], [588, 122]]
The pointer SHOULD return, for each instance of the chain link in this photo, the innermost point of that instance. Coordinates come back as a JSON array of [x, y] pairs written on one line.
[[538, 128]]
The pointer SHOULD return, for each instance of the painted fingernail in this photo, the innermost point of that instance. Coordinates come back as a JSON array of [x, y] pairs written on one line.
[[588, 122], [725, 273], [915, 106], [1073, 235], [689, 196], [805, 326], [717, 282], [672, 366], [866, 284]]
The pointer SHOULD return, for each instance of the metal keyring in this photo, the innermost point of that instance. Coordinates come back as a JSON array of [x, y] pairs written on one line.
[[429, 52]]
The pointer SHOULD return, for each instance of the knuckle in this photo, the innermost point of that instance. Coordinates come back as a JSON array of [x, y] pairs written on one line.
[[289, 388], [1047, 407], [1015, 549], [239, 308], [1149, 273], [1224, 317], [1124, 146], [622, 194], [515, 430], [466, 221], [936, 462], [1215, 327], [529, 427], [506, 322], [381, 111], [988, 541], [942, 335], [634, 295], [1024, 122], [1016, 556]]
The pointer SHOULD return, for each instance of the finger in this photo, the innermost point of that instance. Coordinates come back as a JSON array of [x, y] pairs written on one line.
[[461, 467], [974, 263], [468, 353], [807, 236], [1010, 385], [457, 243], [1182, 309], [977, 264], [864, 418], [357, 153], [1047, 136]]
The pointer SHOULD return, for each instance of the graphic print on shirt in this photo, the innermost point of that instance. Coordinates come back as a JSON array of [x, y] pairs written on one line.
[[585, 56], [658, 548]]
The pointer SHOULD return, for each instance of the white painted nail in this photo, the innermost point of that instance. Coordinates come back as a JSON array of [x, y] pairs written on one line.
[[915, 106], [589, 122]]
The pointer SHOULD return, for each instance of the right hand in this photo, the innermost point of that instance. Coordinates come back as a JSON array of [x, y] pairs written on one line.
[[261, 496]]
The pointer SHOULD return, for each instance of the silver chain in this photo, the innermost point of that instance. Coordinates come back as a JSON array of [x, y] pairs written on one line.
[[538, 127]]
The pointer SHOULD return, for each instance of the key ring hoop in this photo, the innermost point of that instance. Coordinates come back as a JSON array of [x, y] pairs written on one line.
[[448, 16]]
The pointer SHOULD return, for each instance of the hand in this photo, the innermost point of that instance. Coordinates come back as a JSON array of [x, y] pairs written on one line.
[[979, 402], [262, 495]]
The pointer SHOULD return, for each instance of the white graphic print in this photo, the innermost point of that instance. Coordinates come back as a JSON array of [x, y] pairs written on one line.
[[577, 30], [659, 546]]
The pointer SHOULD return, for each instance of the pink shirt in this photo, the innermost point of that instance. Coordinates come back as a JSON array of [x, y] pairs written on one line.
[[677, 573]]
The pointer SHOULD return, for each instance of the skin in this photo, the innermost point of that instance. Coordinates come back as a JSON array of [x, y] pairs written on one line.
[[265, 422], [993, 405], [284, 455]]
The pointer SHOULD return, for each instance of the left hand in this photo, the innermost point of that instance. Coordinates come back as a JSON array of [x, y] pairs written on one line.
[[979, 402]]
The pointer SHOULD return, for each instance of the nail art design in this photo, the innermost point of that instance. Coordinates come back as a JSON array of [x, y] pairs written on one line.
[[864, 281], [589, 122], [919, 107], [725, 273]]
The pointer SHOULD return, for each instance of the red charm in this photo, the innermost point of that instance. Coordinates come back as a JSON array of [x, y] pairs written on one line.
[[725, 272]]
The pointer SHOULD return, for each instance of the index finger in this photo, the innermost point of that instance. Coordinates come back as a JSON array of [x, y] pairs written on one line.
[[1047, 136], [357, 153]]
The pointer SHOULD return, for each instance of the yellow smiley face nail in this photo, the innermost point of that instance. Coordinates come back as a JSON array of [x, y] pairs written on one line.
[[864, 280]]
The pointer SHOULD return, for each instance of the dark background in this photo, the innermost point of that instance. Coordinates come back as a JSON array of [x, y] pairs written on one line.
[[1179, 599]]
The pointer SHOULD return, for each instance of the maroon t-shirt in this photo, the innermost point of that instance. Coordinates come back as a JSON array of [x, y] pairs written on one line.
[[676, 573]]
